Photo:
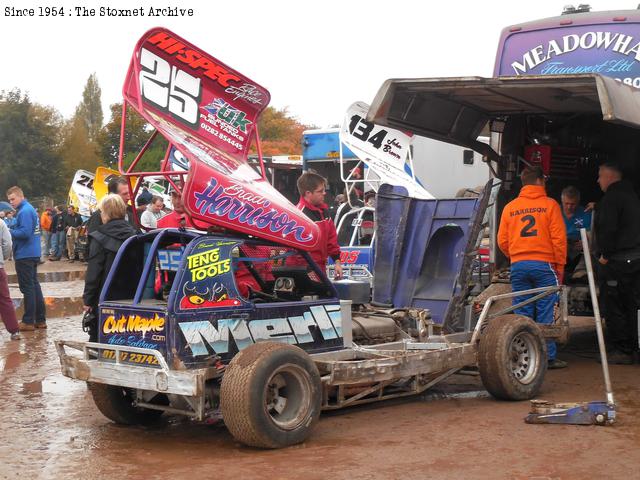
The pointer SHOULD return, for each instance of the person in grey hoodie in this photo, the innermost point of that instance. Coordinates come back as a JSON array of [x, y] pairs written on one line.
[[7, 312], [153, 213]]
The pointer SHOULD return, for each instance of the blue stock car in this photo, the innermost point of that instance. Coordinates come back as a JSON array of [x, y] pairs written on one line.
[[253, 332]]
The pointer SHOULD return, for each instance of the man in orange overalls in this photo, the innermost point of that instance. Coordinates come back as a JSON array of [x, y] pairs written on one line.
[[533, 235]]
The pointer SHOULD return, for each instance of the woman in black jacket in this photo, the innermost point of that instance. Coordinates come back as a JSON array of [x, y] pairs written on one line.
[[105, 242]]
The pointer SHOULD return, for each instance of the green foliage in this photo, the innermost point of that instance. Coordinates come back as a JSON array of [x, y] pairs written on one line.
[[137, 133], [30, 136], [90, 108]]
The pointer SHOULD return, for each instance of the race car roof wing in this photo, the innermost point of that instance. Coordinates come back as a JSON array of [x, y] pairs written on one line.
[[455, 110], [385, 151], [209, 113]]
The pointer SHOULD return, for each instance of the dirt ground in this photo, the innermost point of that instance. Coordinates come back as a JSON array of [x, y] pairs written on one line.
[[50, 429]]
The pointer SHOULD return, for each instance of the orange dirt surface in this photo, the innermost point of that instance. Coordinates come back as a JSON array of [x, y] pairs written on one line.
[[51, 429]]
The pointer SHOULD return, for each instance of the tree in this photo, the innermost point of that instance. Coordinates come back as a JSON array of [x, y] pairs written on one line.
[[90, 108], [136, 134], [30, 136], [280, 134], [77, 150]]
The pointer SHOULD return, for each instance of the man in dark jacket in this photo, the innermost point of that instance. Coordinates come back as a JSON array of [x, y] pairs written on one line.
[[105, 242], [312, 189], [57, 234], [118, 186], [72, 223], [617, 230], [25, 234]]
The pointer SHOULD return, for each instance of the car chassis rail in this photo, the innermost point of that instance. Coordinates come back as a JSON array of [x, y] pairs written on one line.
[[350, 376]]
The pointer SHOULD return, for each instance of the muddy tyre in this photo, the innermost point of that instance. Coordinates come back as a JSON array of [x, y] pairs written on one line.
[[512, 358], [271, 395], [116, 403]]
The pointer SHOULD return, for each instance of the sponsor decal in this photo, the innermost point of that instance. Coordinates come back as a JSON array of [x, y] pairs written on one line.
[[130, 357], [207, 281], [206, 296], [612, 50], [230, 115], [225, 122], [132, 330], [554, 49], [349, 257], [133, 323], [195, 59], [202, 336], [207, 265], [237, 205], [246, 92]]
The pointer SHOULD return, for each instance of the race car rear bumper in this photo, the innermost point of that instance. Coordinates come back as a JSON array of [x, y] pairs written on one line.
[[88, 367]]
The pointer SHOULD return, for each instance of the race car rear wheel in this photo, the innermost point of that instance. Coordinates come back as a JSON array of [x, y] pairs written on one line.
[[116, 403], [512, 357], [271, 395]]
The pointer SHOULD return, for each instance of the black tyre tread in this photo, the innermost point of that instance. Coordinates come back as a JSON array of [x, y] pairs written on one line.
[[237, 392], [115, 407], [494, 372]]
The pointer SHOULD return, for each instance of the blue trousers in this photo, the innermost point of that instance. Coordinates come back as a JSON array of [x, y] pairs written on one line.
[[529, 274], [46, 238], [57, 244], [34, 307]]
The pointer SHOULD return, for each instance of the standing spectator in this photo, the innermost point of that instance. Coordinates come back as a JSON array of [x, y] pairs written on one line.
[[7, 312], [153, 213], [312, 189], [337, 202], [25, 234], [105, 242], [72, 223], [532, 235], [575, 217], [46, 220], [145, 197], [3, 220], [57, 234], [120, 187], [617, 231], [141, 205], [9, 219], [177, 218]]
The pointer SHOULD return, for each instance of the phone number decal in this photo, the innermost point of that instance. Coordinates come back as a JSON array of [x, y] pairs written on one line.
[[130, 357]]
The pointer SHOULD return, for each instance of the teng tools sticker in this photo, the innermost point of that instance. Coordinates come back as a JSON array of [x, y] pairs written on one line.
[[191, 90]]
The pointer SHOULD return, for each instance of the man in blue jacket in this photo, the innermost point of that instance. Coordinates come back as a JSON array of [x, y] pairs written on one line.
[[25, 233]]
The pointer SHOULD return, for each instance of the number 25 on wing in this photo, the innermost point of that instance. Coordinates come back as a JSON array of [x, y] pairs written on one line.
[[169, 88]]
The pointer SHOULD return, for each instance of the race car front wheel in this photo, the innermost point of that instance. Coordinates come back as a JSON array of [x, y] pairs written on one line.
[[271, 395], [512, 357]]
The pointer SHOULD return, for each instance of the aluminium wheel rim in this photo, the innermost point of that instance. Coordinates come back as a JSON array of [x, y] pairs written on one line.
[[287, 396], [524, 357]]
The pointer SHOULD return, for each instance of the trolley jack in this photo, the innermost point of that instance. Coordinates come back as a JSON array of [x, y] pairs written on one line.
[[587, 413]]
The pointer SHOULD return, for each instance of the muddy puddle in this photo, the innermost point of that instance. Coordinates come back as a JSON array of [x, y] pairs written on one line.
[[45, 277], [51, 429], [57, 307]]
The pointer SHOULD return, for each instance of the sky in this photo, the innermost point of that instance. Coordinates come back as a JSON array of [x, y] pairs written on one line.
[[315, 58]]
